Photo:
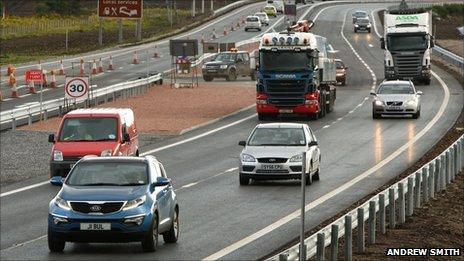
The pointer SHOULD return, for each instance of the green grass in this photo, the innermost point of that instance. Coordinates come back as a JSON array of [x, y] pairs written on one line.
[[448, 10]]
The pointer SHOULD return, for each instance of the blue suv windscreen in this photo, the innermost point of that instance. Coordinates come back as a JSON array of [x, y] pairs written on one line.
[[108, 174]]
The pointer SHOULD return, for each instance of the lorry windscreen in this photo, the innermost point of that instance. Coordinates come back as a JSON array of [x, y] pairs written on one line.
[[89, 129], [286, 61], [407, 43]]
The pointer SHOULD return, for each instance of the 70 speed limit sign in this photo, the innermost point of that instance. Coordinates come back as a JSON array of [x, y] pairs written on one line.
[[76, 88]]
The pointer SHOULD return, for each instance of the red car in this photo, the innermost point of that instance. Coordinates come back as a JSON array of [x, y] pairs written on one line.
[[100, 132]]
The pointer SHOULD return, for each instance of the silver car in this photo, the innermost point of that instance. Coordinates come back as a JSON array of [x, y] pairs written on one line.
[[274, 151], [396, 97], [263, 18]]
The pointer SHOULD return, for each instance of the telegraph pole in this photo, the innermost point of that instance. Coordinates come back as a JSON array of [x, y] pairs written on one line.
[[193, 8], [202, 6]]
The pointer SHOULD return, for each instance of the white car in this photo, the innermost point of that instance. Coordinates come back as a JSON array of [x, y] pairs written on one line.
[[275, 151], [263, 18], [252, 22], [396, 97]]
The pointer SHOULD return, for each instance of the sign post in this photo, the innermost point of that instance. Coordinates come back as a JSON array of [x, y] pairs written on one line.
[[36, 76], [120, 9]]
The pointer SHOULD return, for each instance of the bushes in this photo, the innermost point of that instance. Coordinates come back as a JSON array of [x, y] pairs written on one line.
[[61, 7], [448, 10]]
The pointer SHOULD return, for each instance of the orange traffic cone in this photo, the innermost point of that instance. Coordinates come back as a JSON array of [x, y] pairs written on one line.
[[94, 67], [61, 68], [100, 66], [156, 54], [14, 89], [135, 60], [110, 66], [225, 30], [9, 70], [232, 28], [32, 89], [238, 24], [52, 79], [82, 71]]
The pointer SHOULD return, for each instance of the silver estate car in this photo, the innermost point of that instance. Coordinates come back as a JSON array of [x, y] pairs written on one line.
[[396, 97], [274, 151]]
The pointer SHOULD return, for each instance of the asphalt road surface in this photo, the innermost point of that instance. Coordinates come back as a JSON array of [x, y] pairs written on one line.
[[219, 218]]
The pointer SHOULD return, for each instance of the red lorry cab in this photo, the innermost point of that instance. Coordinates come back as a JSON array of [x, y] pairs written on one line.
[[100, 132]]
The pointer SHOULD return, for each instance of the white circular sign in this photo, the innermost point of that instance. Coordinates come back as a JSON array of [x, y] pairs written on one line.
[[77, 88]]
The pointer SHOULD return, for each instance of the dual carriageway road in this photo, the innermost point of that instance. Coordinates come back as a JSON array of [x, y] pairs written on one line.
[[219, 218]]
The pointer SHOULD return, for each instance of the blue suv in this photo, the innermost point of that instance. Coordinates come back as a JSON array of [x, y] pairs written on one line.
[[114, 199]]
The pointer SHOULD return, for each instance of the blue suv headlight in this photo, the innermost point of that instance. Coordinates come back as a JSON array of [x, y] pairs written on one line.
[[61, 203], [134, 203]]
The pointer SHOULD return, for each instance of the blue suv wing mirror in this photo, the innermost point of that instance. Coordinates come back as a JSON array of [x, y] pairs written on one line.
[[56, 181]]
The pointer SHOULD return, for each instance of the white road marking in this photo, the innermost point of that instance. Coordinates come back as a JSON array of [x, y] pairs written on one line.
[[189, 185], [326, 126], [245, 241], [371, 45], [24, 243], [24, 188]]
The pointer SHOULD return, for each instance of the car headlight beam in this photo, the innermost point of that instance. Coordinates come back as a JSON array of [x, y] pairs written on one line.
[[378, 103]]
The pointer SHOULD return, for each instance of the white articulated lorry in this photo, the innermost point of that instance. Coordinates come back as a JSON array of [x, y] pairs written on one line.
[[408, 43]]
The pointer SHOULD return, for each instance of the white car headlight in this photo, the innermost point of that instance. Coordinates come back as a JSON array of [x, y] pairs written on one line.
[[223, 66], [378, 103], [369, 25], [356, 25], [296, 158], [203, 66], [57, 155], [411, 103], [106, 153], [134, 203], [61, 203], [248, 158]]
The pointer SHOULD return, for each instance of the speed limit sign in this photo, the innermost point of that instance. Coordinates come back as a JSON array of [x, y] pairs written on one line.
[[76, 88]]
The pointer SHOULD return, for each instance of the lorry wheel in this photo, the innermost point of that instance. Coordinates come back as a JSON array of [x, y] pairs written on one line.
[[369, 31], [207, 78], [416, 115], [263, 117], [427, 81], [232, 76], [313, 116], [355, 31], [344, 82], [244, 180], [375, 115]]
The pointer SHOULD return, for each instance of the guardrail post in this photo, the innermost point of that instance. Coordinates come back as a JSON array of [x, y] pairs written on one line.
[[391, 208], [417, 190], [401, 203], [360, 237], [448, 167], [334, 243], [13, 124], [410, 196], [29, 119], [460, 149], [348, 239], [371, 226], [437, 174], [425, 191], [45, 115], [320, 247], [443, 172], [60, 111], [454, 161], [383, 228], [432, 179]]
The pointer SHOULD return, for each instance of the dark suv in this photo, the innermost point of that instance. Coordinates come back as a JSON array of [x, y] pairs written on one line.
[[228, 65], [362, 24]]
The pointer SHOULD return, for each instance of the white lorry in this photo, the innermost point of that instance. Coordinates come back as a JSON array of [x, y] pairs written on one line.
[[408, 43], [278, 4]]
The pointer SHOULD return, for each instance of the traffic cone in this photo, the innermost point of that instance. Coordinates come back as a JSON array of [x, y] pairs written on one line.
[[225, 30], [232, 28], [1, 96], [202, 38], [94, 67], [135, 60], [9, 70], [14, 89], [213, 36], [45, 80], [156, 54], [61, 72], [238, 24], [100, 66], [52, 79], [110, 66], [243, 20], [32, 89], [11, 79], [82, 70]]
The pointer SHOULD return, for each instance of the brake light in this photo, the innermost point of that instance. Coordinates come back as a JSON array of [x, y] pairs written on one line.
[[261, 98]]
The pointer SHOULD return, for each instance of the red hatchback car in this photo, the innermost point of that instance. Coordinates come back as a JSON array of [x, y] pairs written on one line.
[[100, 132]]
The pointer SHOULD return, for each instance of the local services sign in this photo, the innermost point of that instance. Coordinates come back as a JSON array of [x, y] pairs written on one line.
[[76, 88], [131, 9]]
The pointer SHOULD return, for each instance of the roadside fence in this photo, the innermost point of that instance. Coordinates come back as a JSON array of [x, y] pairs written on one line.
[[398, 201]]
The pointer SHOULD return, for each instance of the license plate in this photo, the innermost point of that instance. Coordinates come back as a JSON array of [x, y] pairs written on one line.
[[95, 226], [212, 70], [285, 111], [395, 108], [271, 167]]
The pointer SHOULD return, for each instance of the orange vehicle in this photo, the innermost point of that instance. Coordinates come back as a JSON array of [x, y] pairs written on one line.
[[100, 132]]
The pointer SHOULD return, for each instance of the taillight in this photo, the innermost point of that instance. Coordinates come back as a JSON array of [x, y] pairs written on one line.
[[261, 98]]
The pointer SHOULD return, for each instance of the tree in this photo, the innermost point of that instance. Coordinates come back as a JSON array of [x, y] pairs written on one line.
[[64, 7]]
